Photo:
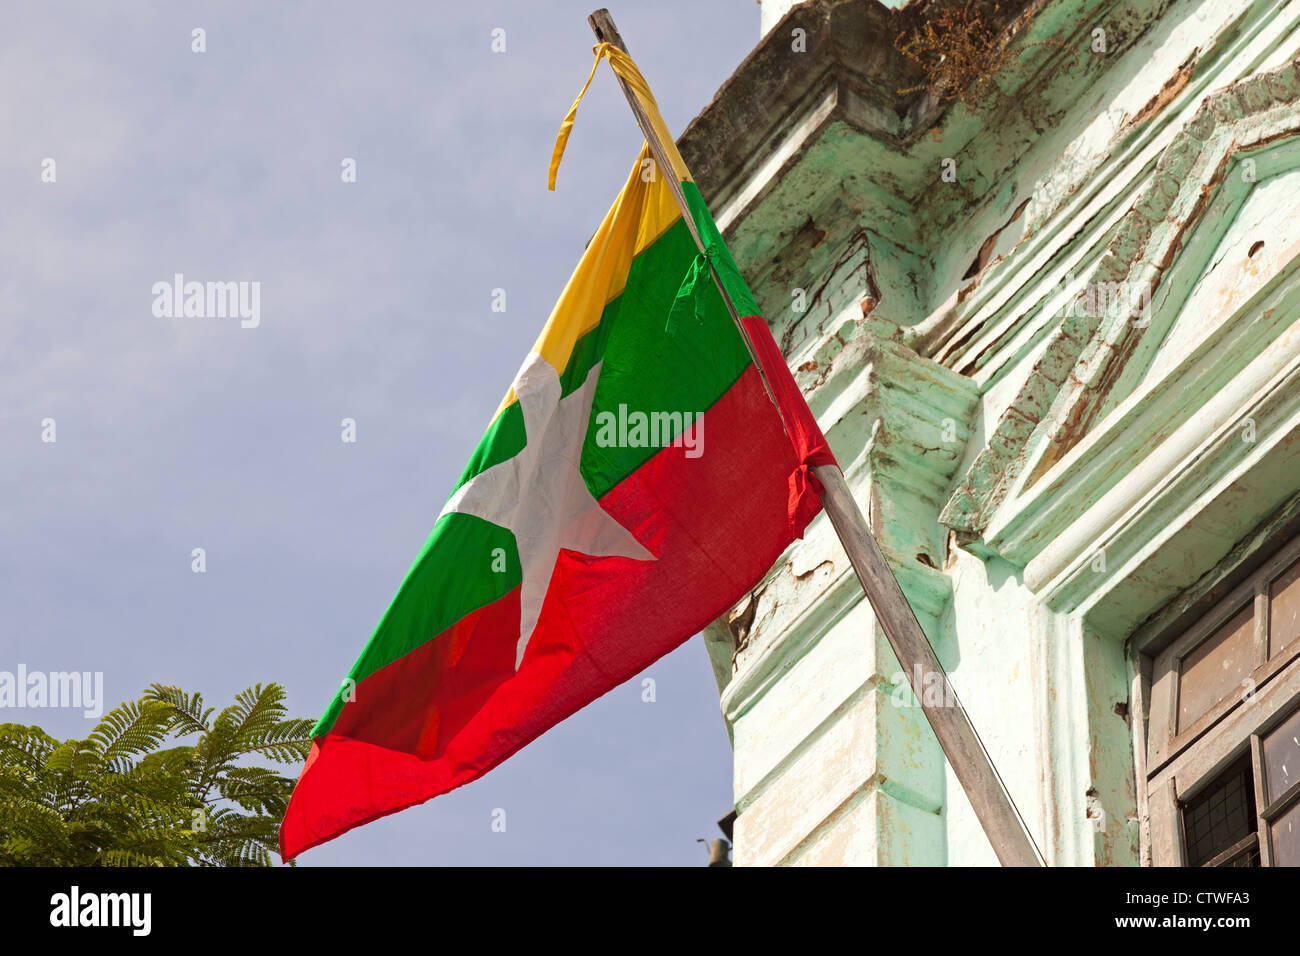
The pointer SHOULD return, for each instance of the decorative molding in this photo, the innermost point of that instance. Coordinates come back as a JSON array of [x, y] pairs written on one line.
[[996, 319], [1058, 401], [815, 674], [1187, 503], [897, 424]]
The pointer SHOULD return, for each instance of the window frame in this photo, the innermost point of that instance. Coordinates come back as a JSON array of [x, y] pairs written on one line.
[[1268, 813], [1165, 739], [1174, 765]]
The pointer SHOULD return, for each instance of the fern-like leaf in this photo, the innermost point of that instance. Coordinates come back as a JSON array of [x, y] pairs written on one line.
[[131, 729], [188, 713]]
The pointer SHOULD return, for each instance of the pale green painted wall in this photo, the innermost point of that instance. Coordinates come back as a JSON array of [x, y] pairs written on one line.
[[829, 768]]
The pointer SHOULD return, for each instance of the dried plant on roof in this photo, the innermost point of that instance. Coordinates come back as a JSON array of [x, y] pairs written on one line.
[[961, 49]]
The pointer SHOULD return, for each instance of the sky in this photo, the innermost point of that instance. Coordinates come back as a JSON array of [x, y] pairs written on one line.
[[177, 433]]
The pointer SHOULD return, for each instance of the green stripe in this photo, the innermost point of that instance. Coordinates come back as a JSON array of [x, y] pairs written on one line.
[[503, 440], [649, 371], [693, 368], [644, 368]]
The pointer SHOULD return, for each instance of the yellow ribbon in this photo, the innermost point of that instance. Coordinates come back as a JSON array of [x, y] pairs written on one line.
[[626, 70]]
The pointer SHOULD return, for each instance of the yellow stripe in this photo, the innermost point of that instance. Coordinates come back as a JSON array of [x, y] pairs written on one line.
[[642, 213]]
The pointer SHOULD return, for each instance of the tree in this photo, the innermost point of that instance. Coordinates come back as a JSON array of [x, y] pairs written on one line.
[[117, 798]]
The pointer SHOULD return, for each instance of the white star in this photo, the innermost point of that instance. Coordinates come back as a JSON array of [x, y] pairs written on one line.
[[540, 495]]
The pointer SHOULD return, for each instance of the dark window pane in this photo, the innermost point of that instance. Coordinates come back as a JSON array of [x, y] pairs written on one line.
[[1245, 852], [1221, 816], [1286, 838], [1248, 857], [1216, 667], [1282, 757], [1284, 610]]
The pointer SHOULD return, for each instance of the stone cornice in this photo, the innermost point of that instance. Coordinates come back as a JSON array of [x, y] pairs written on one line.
[[846, 40], [779, 102], [796, 140]]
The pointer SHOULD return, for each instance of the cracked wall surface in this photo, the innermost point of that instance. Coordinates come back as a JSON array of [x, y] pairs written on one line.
[[931, 268]]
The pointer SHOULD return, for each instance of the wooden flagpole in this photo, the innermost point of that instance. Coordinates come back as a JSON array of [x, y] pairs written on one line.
[[970, 761]]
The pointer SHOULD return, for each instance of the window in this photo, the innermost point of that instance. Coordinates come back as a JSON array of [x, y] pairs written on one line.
[[1280, 752], [1223, 733], [1219, 826], [1217, 668]]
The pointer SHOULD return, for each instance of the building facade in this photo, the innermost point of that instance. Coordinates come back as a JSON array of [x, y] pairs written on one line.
[[1035, 268]]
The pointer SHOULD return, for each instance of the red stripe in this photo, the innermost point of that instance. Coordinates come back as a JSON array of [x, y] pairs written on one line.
[[452, 709], [810, 448]]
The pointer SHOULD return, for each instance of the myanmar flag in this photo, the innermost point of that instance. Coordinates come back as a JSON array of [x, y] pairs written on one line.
[[641, 474]]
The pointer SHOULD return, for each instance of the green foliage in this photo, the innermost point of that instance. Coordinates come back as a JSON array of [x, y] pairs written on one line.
[[120, 798]]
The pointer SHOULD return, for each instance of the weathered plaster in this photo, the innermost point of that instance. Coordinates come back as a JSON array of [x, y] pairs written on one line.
[[1094, 471], [1087, 351], [815, 683], [1062, 450]]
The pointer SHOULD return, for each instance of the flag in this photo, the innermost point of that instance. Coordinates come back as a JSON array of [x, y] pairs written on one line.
[[639, 477]]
